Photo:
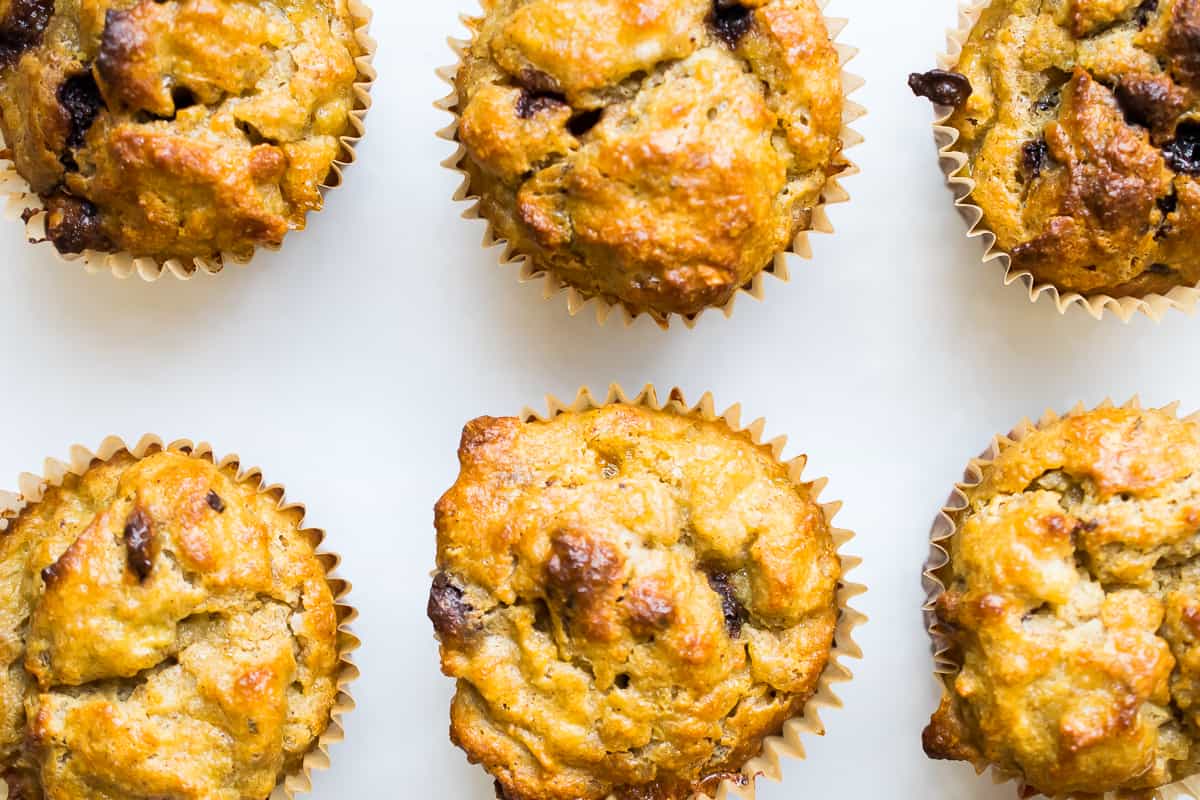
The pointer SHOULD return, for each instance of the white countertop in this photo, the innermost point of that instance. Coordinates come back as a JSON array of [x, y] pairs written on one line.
[[346, 365]]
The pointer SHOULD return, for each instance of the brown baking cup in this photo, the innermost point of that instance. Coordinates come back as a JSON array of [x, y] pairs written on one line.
[[832, 194], [32, 488], [788, 743], [954, 165], [19, 201], [944, 529]]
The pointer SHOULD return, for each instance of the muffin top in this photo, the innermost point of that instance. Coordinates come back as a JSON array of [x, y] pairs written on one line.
[[1073, 607], [629, 600], [658, 153], [1081, 121], [177, 129], [165, 631]]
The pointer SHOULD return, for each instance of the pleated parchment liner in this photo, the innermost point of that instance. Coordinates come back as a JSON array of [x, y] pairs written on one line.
[[954, 164], [32, 488], [944, 529], [788, 744], [18, 201], [577, 301]]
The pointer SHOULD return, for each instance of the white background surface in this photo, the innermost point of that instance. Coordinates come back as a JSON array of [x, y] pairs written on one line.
[[346, 365]]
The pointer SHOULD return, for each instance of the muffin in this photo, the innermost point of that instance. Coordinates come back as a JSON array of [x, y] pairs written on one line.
[[166, 630], [657, 154], [629, 600], [176, 130], [1079, 121], [1069, 608]]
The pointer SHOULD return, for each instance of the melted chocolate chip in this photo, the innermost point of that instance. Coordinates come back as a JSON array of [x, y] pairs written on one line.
[[215, 502], [942, 87], [1168, 204], [731, 21], [80, 97], [1034, 156], [22, 28], [447, 610], [581, 123], [1144, 12], [1160, 269], [73, 225], [138, 541], [1183, 153], [529, 104], [734, 612]]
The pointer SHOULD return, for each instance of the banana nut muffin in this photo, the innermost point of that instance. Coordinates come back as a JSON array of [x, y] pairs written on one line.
[[629, 600], [177, 129], [165, 632], [1081, 123], [1073, 608], [657, 153]]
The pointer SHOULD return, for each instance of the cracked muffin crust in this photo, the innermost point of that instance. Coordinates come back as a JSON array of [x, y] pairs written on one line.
[[656, 153], [1072, 607], [629, 600], [166, 631], [1080, 120], [178, 129]]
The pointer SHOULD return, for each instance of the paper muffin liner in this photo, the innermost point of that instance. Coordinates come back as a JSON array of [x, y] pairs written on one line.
[[788, 743], [954, 164], [577, 300], [944, 529], [18, 200], [32, 488]]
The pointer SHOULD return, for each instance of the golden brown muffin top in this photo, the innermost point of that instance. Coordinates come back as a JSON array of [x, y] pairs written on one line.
[[1082, 132], [177, 129], [165, 631], [658, 153], [629, 600], [1073, 606]]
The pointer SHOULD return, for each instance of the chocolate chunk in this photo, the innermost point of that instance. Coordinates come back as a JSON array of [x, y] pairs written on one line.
[[1160, 269], [79, 96], [1034, 156], [138, 543], [1183, 152], [731, 21], [735, 612], [529, 104], [22, 28], [1168, 204], [942, 87], [73, 225], [447, 610], [215, 502]]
